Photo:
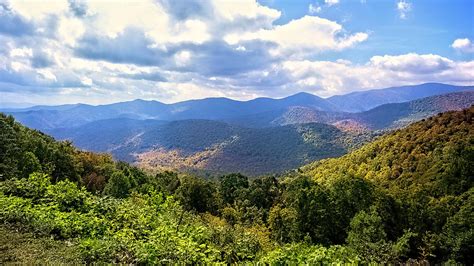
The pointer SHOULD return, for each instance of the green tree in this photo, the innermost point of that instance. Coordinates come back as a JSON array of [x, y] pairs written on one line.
[[314, 210], [118, 185], [367, 236], [349, 195], [196, 194], [232, 186], [29, 164], [9, 148], [459, 232], [283, 223]]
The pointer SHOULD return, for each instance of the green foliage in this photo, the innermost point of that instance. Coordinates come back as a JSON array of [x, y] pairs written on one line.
[[458, 232], [118, 185], [298, 254], [367, 237], [35, 186], [29, 164], [314, 210], [407, 197], [231, 186], [196, 194], [283, 223]]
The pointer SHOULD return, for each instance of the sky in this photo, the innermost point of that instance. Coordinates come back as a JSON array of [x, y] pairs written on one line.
[[98, 52]]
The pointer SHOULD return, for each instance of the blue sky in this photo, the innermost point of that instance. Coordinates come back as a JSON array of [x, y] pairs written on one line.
[[55, 52]]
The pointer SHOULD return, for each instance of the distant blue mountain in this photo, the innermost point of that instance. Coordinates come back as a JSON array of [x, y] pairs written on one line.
[[223, 109], [366, 100]]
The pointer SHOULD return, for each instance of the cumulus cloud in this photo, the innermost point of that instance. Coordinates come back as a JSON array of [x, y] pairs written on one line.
[[327, 78], [309, 33], [98, 52], [463, 45], [403, 8], [413, 63]]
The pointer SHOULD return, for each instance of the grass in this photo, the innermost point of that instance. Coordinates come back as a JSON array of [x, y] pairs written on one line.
[[18, 247]]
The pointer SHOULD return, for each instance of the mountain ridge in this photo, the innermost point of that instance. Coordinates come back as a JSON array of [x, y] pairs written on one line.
[[222, 108]]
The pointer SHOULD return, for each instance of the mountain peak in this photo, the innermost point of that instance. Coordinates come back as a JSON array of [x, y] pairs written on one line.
[[303, 95]]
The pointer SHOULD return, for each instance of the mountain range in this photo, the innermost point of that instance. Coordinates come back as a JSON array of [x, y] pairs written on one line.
[[223, 109], [260, 136]]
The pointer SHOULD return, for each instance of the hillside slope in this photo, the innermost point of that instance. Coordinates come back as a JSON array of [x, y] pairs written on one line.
[[366, 100], [204, 145], [441, 146]]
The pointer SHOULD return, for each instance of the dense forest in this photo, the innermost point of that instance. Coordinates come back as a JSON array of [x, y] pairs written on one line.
[[406, 197]]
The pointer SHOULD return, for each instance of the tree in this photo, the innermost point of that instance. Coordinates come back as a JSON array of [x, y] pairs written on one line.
[[283, 223], [232, 186], [459, 232], [367, 236], [311, 202], [29, 164], [196, 194], [9, 148], [168, 181], [263, 192], [118, 185], [349, 195]]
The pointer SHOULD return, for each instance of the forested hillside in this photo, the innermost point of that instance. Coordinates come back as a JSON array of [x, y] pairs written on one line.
[[406, 197], [211, 146]]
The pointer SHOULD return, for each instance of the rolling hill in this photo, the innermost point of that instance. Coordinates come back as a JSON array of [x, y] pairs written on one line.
[[257, 112], [288, 140], [211, 146]]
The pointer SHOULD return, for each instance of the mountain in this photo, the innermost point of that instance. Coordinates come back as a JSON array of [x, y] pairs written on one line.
[[407, 157], [395, 115], [49, 117], [211, 146], [279, 141], [385, 116], [260, 111], [365, 100]]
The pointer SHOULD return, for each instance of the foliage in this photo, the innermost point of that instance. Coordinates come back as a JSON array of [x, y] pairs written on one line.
[[406, 197], [304, 254]]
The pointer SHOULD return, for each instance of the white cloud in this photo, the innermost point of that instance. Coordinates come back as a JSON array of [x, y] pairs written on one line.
[[245, 8], [21, 52], [230, 48], [413, 63], [70, 29], [463, 45], [38, 9], [327, 78], [182, 58], [403, 8], [47, 74], [313, 9], [331, 2], [307, 33], [111, 19]]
